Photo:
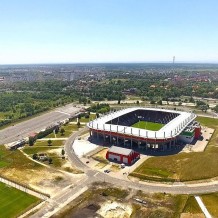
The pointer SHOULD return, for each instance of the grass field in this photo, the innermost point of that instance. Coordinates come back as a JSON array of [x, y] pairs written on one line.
[[69, 129], [185, 166], [14, 201], [45, 143], [86, 120], [211, 203], [148, 125], [55, 154], [192, 206], [15, 159], [30, 150]]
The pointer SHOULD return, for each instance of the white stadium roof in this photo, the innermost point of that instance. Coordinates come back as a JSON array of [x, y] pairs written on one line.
[[119, 150], [169, 130]]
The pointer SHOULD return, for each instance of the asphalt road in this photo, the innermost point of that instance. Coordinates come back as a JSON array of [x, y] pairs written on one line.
[[23, 129], [176, 188], [96, 176]]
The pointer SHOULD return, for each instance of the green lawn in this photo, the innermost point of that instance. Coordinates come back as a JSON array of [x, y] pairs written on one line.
[[192, 206], [86, 120], [69, 129], [15, 159], [148, 125], [57, 161], [34, 150], [45, 143], [184, 166], [13, 202]]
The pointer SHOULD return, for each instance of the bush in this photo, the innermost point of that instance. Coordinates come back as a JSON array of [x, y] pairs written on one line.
[[50, 160], [35, 156], [87, 116], [49, 142], [31, 141]]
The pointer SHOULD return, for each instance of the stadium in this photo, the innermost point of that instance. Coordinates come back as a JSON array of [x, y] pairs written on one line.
[[146, 128]]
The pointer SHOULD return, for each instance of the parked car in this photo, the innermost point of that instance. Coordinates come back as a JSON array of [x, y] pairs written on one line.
[[122, 165], [107, 171]]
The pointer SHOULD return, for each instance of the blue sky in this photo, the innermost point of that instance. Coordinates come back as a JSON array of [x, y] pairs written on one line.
[[70, 31]]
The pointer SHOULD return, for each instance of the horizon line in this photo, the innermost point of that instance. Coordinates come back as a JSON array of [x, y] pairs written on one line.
[[121, 62]]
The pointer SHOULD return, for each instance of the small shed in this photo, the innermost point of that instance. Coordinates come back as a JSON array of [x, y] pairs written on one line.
[[122, 155]]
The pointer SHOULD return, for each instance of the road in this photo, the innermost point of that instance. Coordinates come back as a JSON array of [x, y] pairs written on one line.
[[17, 131], [177, 188], [54, 204], [23, 129]]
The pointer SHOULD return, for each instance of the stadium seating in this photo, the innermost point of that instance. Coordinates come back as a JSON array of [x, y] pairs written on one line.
[[143, 115]]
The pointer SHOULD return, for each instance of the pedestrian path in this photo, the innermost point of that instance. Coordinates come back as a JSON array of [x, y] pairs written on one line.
[[202, 206]]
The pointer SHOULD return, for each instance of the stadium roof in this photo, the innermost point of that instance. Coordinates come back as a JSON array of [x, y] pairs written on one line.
[[119, 150], [169, 130]]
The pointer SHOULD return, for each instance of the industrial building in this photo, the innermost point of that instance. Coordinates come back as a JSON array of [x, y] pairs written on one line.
[[122, 155]]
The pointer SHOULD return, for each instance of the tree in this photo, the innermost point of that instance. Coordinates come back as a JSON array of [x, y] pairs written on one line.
[[204, 108], [63, 153], [56, 130], [87, 116], [78, 124], [160, 102], [200, 103], [49, 142], [31, 141], [216, 108], [191, 99], [35, 156], [62, 131], [50, 160]]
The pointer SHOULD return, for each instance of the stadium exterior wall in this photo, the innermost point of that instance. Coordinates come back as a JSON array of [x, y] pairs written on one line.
[[164, 138]]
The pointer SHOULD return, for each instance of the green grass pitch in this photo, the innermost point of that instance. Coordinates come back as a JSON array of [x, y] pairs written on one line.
[[14, 201], [148, 125]]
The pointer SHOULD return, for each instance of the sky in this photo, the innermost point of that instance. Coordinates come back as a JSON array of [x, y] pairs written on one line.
[[108, 31]]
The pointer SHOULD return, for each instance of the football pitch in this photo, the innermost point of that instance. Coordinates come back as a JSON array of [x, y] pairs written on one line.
[[148, 125], [13, 201]]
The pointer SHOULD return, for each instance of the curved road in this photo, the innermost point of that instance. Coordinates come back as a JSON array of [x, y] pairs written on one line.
[[95, 175]]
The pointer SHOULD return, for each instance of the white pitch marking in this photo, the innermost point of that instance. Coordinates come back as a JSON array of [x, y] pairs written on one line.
[[202, 206], [96, 174]]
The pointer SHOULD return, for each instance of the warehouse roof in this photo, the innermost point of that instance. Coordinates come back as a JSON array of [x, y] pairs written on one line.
[[119, 150]]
